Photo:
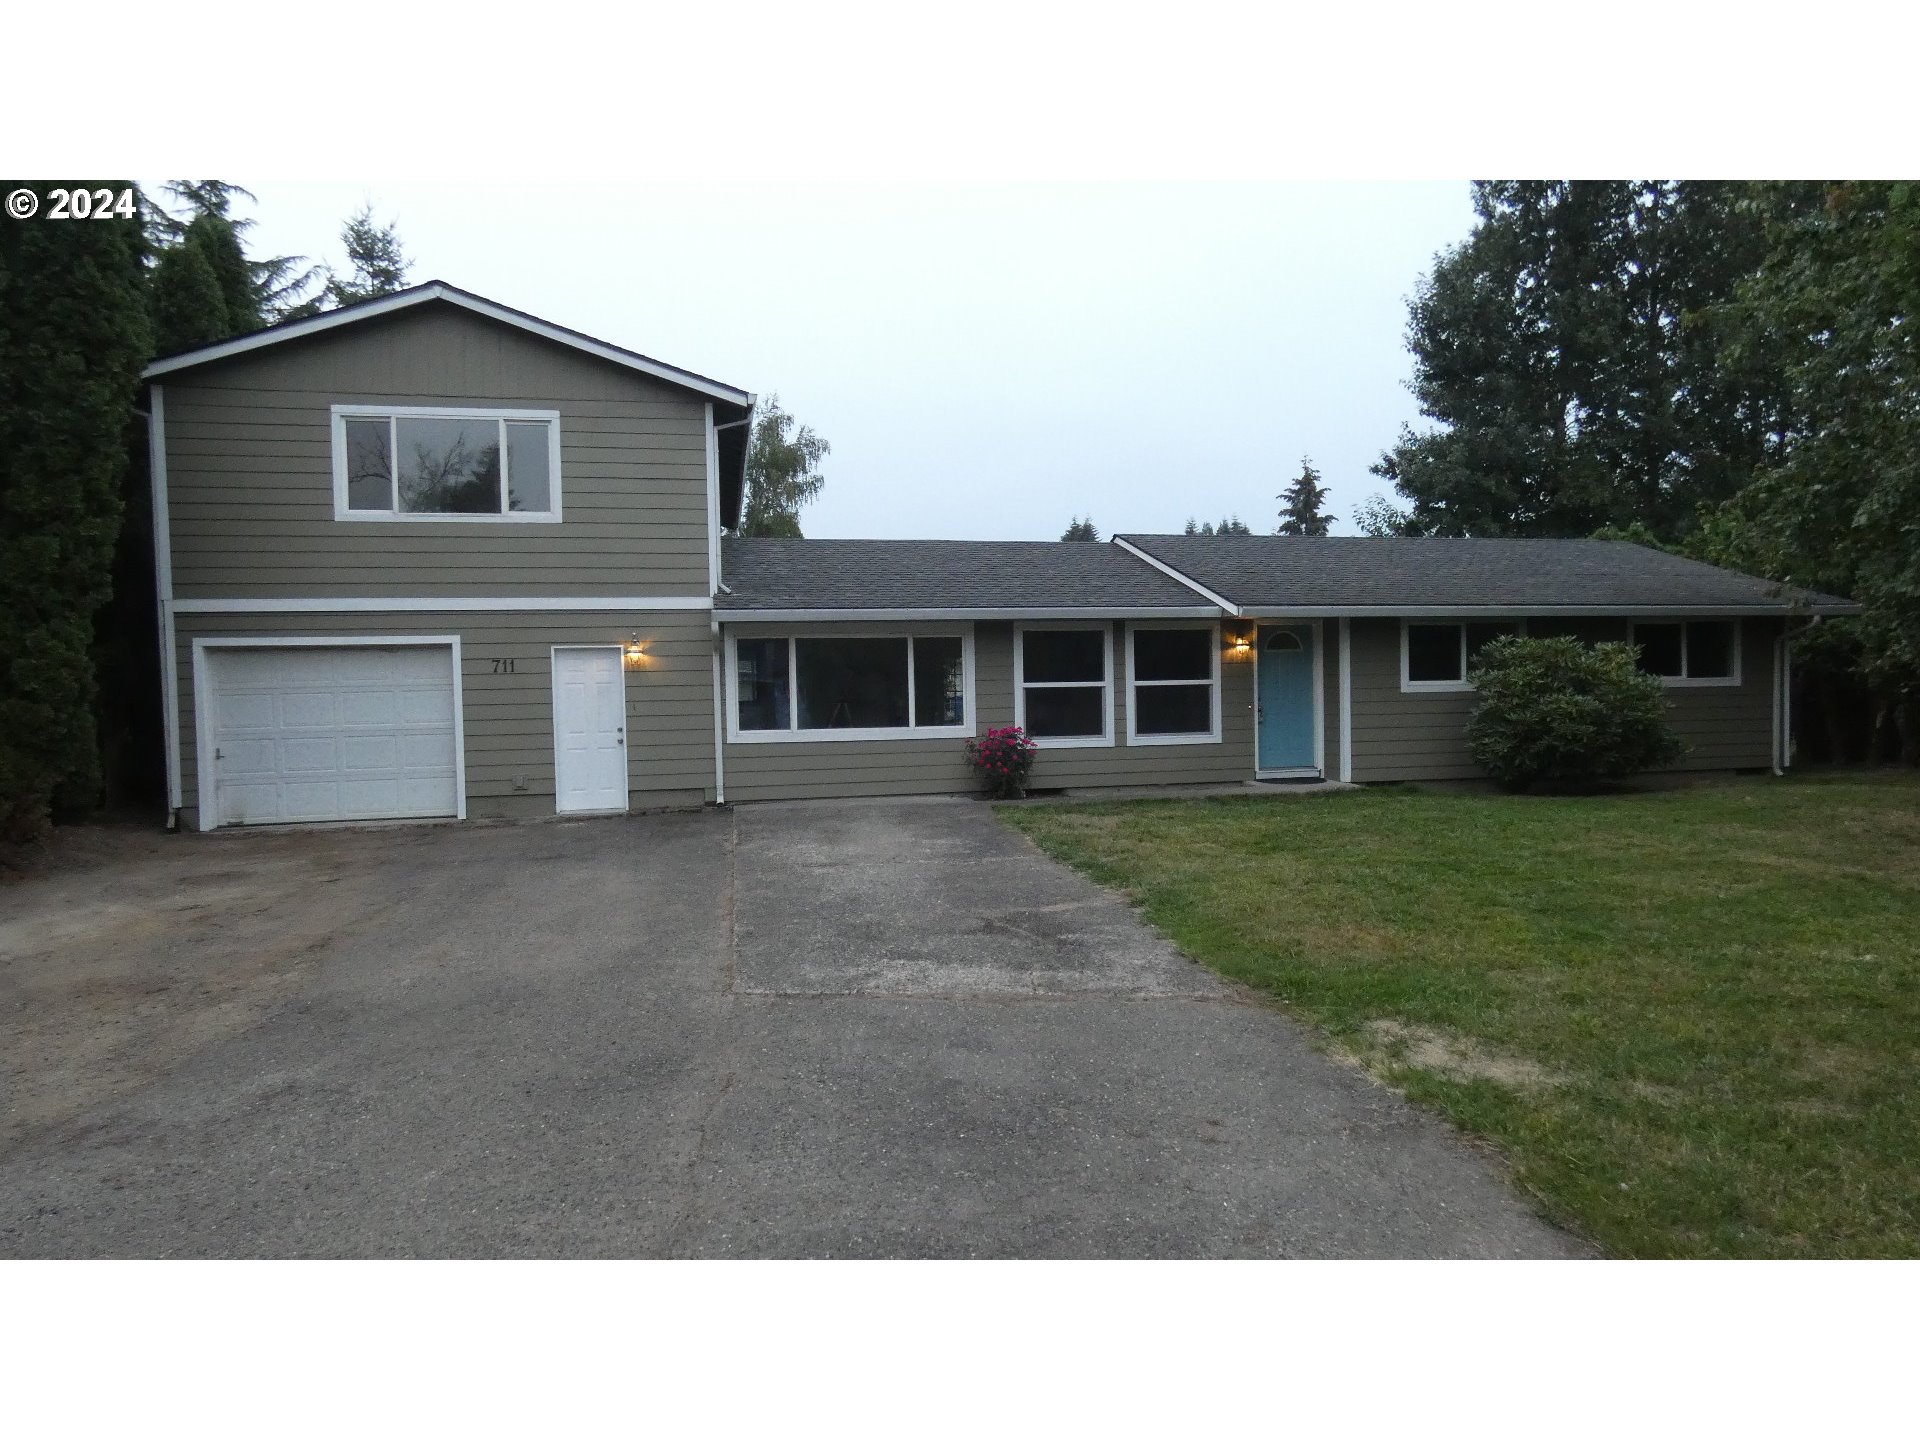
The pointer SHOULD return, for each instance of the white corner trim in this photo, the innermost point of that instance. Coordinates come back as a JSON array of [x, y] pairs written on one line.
[[1069, 742], [1346, 700], [440, 290], [1185, 579], [718, 653], [713, 504], [409, 604], [163, 595], [206, 799], [1213, 734]]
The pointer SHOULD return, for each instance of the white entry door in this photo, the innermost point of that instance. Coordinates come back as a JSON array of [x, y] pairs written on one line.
[[589, 728]]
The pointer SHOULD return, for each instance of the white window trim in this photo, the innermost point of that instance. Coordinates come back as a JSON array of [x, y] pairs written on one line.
[[1063, 742], [793, 734], [342, 413], [1211, 736], [1410, 686], [204, 798], [1684, 681]]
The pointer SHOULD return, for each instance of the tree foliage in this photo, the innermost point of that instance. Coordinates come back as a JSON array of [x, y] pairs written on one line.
[[74, 336], [1833, 309], [259, 290], [783, 472], [1558, 714], [377, 265], [184, 295], [1301, 503], [1081, 530], [1556, 351], [1228, 525], [1378, 516]]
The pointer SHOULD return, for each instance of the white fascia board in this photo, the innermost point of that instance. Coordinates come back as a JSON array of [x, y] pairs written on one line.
[[1054, 612], [1181, 576], [1511, 612], [436, 290], [382, 604]]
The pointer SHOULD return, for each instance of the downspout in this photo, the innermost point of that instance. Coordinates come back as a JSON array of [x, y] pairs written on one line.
[[156, 417], [1783, 693]]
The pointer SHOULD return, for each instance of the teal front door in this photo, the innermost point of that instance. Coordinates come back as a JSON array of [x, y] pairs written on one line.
[[1286, 719]]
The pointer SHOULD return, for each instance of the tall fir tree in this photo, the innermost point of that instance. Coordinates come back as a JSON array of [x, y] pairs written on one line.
[[1301, 503], [184, 295], [74, 336], [377, 264], [1081, 530]]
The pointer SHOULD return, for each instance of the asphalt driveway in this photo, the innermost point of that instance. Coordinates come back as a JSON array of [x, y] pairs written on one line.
[[827, 1030]]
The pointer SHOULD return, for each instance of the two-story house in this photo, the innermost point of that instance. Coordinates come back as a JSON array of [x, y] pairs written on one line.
[[431, 556]]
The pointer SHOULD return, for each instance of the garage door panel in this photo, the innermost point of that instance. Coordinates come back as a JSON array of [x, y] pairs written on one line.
[[370, 707], [332, 733]]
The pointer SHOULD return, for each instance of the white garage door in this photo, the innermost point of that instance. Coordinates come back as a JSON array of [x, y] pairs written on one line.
[[354, 732]]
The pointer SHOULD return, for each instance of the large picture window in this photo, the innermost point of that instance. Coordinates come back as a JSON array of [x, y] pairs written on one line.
[[1690, 652], [430, 464], [850, 687], [1439, 654], [1173, 684], [1063, 684]]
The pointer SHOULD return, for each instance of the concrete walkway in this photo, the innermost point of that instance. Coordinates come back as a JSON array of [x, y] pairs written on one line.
[[827, 1030]]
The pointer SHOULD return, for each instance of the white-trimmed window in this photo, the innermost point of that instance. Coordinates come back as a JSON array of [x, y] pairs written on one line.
[[1690, 652], [434, 463], [1436, 655], [1063, 683], [850, 686], [1173, 683]]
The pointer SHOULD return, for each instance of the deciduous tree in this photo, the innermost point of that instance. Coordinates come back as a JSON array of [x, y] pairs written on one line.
[[783, 472]]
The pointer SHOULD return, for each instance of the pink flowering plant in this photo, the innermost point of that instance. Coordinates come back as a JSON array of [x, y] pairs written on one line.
[[1004, 758]]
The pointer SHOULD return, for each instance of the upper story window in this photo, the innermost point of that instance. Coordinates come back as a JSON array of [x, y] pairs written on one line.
[[429, 463], [1690, 652]]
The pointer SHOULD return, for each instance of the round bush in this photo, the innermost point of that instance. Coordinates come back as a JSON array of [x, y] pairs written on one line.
[[1557, 714]]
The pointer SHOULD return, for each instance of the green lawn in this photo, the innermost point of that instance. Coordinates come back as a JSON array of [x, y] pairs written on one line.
[[1691, 1018]]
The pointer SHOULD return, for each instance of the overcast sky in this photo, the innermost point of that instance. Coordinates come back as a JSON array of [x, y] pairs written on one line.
[[986, 361]]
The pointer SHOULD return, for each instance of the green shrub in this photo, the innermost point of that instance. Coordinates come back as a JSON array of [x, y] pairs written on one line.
[[1557, 714]]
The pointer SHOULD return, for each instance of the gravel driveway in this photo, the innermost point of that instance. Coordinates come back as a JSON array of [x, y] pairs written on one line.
[[859, 1029]]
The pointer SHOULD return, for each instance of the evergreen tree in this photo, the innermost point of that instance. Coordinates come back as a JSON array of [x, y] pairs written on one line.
[[218, 245], [277, 287], [1300, 512], [1558, 350], [783, 473], [74, 336], [1081, 530], [184, 295], [379, 265]]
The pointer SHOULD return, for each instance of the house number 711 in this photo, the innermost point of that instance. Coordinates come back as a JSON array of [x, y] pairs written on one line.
[[503, 667]]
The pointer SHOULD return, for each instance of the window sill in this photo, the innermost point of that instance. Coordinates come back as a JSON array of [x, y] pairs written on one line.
[[1196, 738], [1072, 742], [810, 737], [401, 517], [1437, 687]]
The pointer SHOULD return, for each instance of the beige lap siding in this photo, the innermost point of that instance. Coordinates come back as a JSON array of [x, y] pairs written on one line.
[[1422, 735], [509, 716], [250, 470], [820, 769]]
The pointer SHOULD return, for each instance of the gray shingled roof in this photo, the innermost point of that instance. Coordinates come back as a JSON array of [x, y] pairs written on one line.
[[949, 575], [1400, 573]]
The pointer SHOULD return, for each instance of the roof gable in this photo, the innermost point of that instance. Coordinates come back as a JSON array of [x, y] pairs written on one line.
[[439, 291]]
